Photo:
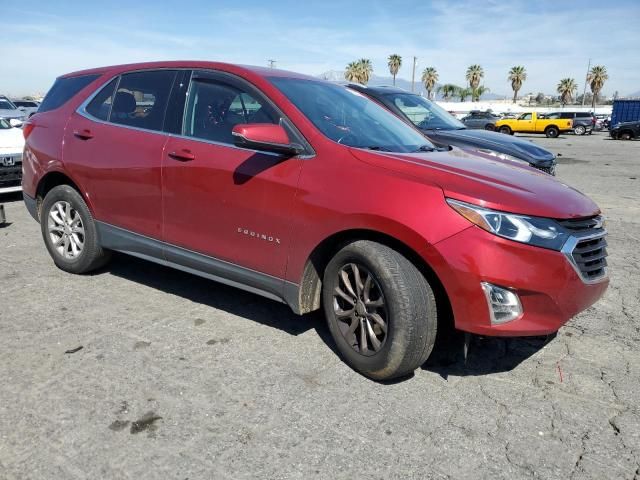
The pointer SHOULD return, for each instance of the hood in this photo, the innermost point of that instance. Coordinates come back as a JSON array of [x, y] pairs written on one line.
[[523, 149], [626, 124], [486, 181], [11, 140]]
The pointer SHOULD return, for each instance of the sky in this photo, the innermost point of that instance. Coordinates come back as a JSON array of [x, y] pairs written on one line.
[[553, 40]]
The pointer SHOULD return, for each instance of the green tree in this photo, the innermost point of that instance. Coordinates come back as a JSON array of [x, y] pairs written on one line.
[[395, 62], [352, 72], [447, 91], [596, 78], [429, 78], [477, 92], [359, 72], [565, 88], [463, 92], [475, 74], [517, 76]]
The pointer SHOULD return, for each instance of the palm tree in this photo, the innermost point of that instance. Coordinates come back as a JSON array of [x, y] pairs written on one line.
[[477, 92], [565, 88], [447, 90], [596, 78], [351, 73], [474, 75], [395, 62], [517, 75], [429, 78], [463, 92]]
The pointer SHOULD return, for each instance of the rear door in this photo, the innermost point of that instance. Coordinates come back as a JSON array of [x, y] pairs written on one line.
[[114, 144], [219, 200]]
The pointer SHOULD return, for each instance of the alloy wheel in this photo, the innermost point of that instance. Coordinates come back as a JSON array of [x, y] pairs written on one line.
[[66, 230], [360, 309]]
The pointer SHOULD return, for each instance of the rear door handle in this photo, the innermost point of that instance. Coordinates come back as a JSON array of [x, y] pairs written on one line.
[[83, 134], [182, 155]]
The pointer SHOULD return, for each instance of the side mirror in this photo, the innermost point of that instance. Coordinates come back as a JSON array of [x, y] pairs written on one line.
[[14, 122], [265, 136]]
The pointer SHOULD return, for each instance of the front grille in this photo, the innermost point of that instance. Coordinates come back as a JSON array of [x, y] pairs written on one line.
[[590, 257], [10, 176], [580, 225]]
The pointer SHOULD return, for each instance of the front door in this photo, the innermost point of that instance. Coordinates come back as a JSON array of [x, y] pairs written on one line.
[[228, 203]]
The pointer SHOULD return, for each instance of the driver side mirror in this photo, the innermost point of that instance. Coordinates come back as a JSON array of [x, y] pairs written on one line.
[[266, 137], [14, 122]]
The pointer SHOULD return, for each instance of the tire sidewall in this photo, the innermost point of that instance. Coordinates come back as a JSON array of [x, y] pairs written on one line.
[[505, 130], [552, 132], [83, 261]]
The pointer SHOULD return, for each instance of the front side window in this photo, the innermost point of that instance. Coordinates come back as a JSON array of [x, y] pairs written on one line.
[[425, 114], [525, 116], [214, 108], [141, 99], [350, 118], [63, 90]]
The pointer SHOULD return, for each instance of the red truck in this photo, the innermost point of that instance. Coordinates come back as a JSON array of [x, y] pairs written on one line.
[[309, 194]]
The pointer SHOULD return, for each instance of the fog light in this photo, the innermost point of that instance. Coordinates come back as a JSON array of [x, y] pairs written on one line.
[[504, 305]]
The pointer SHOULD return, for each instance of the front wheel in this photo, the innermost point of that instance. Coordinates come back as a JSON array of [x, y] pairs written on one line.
[[552, 132], [625, 136], [504, 129], [69, 231], [580, 130], [380, 310]]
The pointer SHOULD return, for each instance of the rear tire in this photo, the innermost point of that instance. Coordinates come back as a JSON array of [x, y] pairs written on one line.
[[69, 231], [504, 129], [552, 132], [490, 127], [384, 322], [625, 136], [580, 130]]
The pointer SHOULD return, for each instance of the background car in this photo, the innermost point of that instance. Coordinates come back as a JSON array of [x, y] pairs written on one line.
[[29, 107], [626, 130], [11, 146], [8, 110], [477, 119], [583, 122], [443, 129]]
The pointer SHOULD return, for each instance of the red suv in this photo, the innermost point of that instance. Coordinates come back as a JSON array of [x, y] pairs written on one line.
[[310, 194]]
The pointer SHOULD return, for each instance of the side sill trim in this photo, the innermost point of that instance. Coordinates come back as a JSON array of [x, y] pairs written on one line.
[[121, 240]]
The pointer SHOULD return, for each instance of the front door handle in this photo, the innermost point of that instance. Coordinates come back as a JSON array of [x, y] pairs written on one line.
[[182, 156], [84, 134]]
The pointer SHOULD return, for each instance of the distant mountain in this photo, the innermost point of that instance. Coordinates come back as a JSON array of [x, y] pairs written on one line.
[[377, 81]]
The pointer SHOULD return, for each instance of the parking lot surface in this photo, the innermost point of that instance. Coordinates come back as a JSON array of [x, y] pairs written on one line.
[[179, 377]]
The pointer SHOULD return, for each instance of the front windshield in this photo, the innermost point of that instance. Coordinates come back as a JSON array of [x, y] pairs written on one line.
[[4, 125], [350, 118], [6, 105], [425, 114]]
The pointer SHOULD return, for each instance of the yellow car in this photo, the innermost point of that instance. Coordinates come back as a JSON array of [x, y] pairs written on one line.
[[532, 122]]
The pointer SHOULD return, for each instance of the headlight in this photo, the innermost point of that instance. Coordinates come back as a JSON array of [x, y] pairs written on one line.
[[541, 232], [501, 156]]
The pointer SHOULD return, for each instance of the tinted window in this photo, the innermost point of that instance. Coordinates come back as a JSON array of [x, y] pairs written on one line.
[[584, 114], [424, 113], [6, 105], [350, 118], [63, 90], [21, 103], [552, 116], [100, 106], [4, 125], [141, 99], [214, 108]]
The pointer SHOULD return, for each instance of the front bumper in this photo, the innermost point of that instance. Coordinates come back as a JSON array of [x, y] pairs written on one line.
[[548, 286]]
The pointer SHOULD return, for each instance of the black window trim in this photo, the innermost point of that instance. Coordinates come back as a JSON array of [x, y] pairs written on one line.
[[210, 73]]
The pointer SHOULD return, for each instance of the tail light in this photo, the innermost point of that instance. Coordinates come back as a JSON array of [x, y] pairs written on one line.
[[27, 129]]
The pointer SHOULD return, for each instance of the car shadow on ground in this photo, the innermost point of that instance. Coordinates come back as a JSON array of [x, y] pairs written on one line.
[[485, 355]]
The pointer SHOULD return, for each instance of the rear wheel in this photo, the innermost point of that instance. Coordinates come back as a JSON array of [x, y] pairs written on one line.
[[490, 126], [380, 310], [552, 132], [625, 136], [504, 129], [69, 231], [580, 130]]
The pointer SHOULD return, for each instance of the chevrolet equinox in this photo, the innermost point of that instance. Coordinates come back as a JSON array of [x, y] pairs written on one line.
[[310, 194]]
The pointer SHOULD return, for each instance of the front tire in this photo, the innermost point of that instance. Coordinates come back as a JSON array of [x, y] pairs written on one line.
[[380, 310], [625, 136], [504, 129], [552, 132], [69, 231]]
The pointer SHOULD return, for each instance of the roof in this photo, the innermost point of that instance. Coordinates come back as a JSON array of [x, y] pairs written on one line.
[[195, 64]]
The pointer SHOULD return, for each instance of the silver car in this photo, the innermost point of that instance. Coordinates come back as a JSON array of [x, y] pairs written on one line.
[[8, 110]]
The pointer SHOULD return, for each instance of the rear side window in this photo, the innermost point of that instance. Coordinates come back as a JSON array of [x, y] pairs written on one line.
[[100, 106], [63, 90], [141, 99]]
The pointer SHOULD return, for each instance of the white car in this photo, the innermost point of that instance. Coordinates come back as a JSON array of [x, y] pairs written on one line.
[[29, 107], [11, 147], [8, 110]]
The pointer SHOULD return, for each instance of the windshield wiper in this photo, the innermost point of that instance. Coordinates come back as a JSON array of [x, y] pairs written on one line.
[[426, 148], [377, 147]]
